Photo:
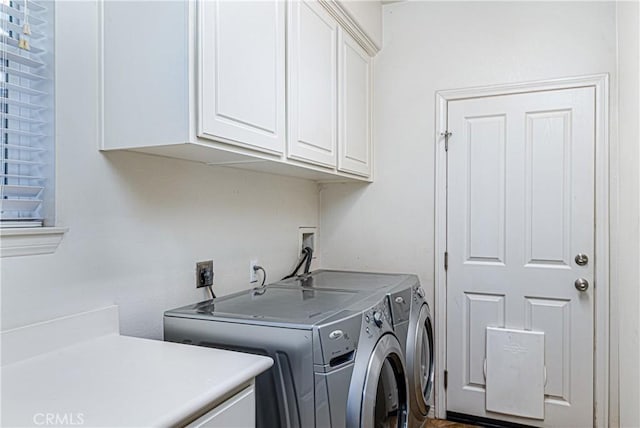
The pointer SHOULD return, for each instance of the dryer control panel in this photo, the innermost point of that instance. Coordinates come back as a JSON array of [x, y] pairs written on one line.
[[400, 306], [378, 318], [338, 340]]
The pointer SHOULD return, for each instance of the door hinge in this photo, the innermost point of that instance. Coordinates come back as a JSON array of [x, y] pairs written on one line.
[[446, 379], [446, 135], [446, 260]]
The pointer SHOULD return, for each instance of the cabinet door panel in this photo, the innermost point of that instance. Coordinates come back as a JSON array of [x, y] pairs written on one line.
[[355, 107], [242, 73], [237, 412], [312, 84]]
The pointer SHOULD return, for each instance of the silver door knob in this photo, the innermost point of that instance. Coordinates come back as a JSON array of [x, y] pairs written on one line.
[[581, 284], [581, 259]]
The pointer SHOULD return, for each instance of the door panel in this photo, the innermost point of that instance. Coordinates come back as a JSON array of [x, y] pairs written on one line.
[[242, 73], [313, 91], [553, 317], [486, 183], [480, 311], [520, 207], [548, 190], [354, 107]]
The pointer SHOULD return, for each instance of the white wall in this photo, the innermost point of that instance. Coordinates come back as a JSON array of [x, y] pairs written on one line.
[[137, 223], [626, 262]]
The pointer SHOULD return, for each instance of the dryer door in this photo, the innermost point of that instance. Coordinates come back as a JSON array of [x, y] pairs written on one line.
[[384, 401], [420, 362]]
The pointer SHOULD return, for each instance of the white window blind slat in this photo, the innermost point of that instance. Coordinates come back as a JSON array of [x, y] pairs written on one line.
[[32, 5], [23, 162], [11, 147], [17, 58], [19, 104], [20, 205], [15, 44], [13, 191], [15, 9], [6, 25], [26, 109], [19, 132], [25, 119], [21, 88], [15, 73], [20, 177]]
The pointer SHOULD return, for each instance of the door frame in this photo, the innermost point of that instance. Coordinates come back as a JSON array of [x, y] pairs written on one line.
[[600, 83]]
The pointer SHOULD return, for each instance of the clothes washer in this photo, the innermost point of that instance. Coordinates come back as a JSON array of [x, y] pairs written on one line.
[[337, 361], [411, 320]]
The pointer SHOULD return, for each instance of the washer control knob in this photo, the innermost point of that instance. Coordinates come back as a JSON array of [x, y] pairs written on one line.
[[377, 318], [399, 299]]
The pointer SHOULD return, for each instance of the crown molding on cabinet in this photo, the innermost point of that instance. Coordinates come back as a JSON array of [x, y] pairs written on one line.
[[349, 24]]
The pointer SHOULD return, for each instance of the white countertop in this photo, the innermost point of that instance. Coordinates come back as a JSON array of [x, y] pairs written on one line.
[[115, 381]]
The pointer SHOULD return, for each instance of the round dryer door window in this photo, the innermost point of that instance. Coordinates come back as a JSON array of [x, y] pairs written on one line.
[[426, 360], [420, 362], [385, 386]]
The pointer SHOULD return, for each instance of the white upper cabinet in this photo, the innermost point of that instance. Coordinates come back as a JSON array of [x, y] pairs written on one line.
[[241, 68], [276, 86], [354, 142], [313, 90]]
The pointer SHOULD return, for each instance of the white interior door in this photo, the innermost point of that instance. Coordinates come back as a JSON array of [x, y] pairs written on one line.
[[520, 209]]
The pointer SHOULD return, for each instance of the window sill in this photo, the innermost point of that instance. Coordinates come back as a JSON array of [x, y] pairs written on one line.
[[30, 241]]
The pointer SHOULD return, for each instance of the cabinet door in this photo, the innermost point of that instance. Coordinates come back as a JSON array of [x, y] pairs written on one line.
[[237, 412], [241, 65], [354, 144], [313, 94]]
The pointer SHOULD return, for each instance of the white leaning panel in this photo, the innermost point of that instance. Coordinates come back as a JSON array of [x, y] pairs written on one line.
[[515, 372]]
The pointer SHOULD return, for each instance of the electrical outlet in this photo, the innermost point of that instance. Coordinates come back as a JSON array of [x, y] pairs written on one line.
[[204, 274], [253, 275]]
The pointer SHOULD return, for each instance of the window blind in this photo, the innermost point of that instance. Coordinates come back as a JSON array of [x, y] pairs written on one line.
[[26, 111]]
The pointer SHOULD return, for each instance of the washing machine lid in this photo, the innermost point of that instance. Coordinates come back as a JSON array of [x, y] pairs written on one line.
[[272, 305], [346, 280]]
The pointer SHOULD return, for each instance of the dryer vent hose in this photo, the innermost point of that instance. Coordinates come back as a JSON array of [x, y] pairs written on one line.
[[305, 258]]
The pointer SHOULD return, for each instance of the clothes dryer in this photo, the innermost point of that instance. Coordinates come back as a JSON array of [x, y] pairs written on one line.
[[418, 346], [337, 361]]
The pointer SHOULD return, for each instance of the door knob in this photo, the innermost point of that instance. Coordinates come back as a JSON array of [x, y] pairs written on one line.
[[581, 259], [581, 284]]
